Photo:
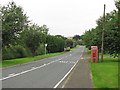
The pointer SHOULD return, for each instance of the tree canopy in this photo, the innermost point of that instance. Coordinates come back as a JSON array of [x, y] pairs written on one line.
[[111, 36], [22, 38], [13, 22]]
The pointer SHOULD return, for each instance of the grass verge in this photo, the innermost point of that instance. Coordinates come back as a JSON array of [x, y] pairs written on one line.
[[105, 74], [12, 62]]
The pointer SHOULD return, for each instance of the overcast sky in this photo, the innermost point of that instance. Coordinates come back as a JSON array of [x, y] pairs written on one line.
[[64, 17]]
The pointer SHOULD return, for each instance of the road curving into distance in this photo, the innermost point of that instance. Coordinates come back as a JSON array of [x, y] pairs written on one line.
[[45, 73]]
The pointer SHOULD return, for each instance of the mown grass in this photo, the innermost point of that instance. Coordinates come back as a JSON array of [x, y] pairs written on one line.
[[6, 63], [88, 51], [105, 74]]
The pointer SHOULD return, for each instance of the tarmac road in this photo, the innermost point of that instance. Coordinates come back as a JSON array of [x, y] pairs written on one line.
[[45, 73]]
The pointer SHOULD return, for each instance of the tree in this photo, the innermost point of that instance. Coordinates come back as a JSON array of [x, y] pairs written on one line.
[[33, 37], [55, 44], [76, 37], [13, 22], [90, 38], [69, 43], [111, 34], [60, 36]]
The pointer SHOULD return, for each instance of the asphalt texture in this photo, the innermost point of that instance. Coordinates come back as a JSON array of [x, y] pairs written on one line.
[[81, 76], [45, 73]]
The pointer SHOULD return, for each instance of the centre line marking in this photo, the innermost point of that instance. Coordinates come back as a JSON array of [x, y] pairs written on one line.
[[11, 74], [66, 74], [33, 68]]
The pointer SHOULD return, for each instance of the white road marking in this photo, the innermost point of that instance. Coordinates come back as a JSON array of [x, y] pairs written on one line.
[[11, 74], [33, 68], [21, 73], [66, 75], [4, 78], [72, 62]]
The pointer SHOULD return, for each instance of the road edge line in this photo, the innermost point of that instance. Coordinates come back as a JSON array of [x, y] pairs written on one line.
[[66, 74]]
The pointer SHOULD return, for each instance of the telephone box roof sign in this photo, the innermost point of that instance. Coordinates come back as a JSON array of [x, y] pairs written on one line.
[[94, 47]]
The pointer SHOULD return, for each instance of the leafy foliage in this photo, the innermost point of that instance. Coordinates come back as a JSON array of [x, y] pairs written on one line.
[[69, 43], [76, 37], [21, 38], [40, 50], [32, 37], [17, 51], [55, 44], [111, 34], [13, 22]]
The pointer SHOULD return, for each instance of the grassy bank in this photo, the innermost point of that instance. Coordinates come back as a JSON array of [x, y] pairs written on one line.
[[105, 74], [12, 62]]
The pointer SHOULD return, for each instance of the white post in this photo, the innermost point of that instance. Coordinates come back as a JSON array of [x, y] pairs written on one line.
[[45, 48]]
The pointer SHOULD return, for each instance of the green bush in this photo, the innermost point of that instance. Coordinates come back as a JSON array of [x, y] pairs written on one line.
[[17, 51], [69, 43], [20, 51], [7, 53], [40, 50], [55, 44]]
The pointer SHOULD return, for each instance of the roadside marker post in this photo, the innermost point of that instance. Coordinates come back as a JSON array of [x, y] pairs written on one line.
[[45, 48]]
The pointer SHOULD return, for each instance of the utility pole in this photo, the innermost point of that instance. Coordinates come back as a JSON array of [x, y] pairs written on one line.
[[102, 47]]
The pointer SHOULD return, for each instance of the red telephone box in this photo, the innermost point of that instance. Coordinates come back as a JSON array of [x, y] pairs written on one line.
[[94, 53]]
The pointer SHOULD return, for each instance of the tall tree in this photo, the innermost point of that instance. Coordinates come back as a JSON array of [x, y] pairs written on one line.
[[13, 22], [111, 34], [33, 37], [69, 43], [55, 44]]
